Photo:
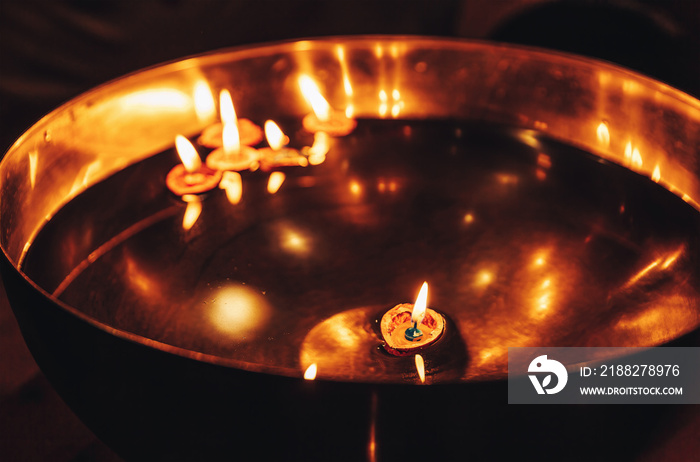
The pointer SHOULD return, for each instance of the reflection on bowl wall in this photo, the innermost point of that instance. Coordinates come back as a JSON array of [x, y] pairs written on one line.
[[548, 200]]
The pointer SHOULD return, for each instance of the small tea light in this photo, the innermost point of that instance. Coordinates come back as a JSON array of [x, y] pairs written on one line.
[[232, 156], [408, 327], [323, 118], [190, 177], [278, 155], [249, 133]]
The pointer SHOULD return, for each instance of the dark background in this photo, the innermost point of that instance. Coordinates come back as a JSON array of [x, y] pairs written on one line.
[[51, 51]]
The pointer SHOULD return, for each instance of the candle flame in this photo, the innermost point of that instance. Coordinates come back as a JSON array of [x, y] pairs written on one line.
[[310, 373], [188, 154], [420, 367], [230, 136], [421, 305], [231, 139], [275, 136], [313, 95], [228, 112], [232, 184], [192, 212], [275, 182], [656, 175]]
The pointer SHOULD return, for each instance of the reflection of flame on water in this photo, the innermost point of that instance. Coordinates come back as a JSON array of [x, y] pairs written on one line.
[[310, 373], [274, 183], [317, 152], [656, 175], [192, 212], [232, 184], [238, 310], [661, 263], [420, 367], [383, 103], [313, 95], [483, 278]]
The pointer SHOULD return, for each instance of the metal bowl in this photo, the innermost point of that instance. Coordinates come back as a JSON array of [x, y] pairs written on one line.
[[169, 383]]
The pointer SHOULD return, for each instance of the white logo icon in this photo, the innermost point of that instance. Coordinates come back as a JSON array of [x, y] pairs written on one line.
[[542, 364]]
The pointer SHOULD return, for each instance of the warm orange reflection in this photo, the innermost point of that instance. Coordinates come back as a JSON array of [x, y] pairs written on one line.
[[317, 152], [192, 212], [671, 259], [310, 373], [274, 183], [33, 160], [544, 161], [483, 278], [420, 368], [383, 103], [603, 134], [204, 104], [355, 188], [294, 241], [659, 323], [239, 311], [469, 218], [634, 279], [156, 99], [232, 184], [656, 174], [637, 161]]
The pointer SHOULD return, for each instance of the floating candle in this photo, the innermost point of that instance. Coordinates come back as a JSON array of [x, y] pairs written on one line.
[[409, 327], [278, 154], [190, 177], [323, 118], [212, 137], [232, 156]]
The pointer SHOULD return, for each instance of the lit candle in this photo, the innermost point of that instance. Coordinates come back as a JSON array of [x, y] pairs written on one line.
[[323, 118], [212, 137], [409, 327], [232, 155], [278, 154], [190, 177]]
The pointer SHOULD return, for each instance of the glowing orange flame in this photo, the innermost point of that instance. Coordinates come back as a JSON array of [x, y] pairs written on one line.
[[310, 373], [230, 136], [188, 154], [421, 305], [275, 137], [232, 184], [192, 212], [656, 175], [313, 95], [420, 367], [628, 151], [383, 103], [228, 112], [484, 278], [274, 183]]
